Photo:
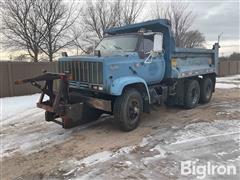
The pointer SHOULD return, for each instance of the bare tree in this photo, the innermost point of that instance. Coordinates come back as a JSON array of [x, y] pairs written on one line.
[[21, 25], [193, 39], [129, 12], [57, 18], [181, 19], [102, 15]]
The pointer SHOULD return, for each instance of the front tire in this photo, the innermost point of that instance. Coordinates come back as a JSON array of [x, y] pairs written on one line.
[[191, 94], [206, 86], [127, 109]]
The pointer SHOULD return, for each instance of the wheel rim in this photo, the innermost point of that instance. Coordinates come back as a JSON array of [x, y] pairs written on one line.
[[194, 95], [133, 111]]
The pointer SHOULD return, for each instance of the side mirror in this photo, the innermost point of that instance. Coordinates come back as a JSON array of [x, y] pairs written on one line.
[[158, 41]]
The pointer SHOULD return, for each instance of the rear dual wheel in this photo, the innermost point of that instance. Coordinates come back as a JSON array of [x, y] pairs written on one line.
[[195, 92], [191, 93], [206, 89]]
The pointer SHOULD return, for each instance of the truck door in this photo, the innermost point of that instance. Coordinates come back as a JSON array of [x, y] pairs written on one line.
[[152, 72]]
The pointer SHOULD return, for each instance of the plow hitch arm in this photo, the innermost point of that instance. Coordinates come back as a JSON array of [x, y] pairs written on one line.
[[57, 100]]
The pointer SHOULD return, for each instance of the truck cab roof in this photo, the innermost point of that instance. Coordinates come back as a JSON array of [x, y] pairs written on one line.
[[154, 25]]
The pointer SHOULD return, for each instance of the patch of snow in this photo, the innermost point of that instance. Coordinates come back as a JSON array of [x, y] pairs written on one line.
[[28, 142], [226, 86], [107, 155], [159, 149], [104, 156], [202, 131], [145, 141], [162, 154], [12, 106], [128, 163], [205, 137], [234, 160], [222, 113], [96, 158], [125, 150], [229, 78], [70, 172], [228, 82], [221, 153], [147, 160]]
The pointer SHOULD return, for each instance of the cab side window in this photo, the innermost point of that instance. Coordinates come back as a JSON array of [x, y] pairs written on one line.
[[146, 45]]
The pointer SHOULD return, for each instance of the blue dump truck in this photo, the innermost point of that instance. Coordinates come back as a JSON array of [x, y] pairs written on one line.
[[132, 68]]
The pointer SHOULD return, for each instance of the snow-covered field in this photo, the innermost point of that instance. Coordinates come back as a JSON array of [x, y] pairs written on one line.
[[33, 149]]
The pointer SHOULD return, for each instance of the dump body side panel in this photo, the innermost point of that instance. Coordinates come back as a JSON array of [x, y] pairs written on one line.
[[188, 62]]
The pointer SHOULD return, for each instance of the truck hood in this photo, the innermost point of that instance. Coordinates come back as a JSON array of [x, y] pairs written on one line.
[[92, 58]]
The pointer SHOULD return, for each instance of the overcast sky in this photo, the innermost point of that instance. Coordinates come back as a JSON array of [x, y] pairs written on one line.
[[212, 18]]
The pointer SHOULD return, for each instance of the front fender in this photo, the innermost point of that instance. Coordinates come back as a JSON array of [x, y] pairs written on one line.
[[119, 84]]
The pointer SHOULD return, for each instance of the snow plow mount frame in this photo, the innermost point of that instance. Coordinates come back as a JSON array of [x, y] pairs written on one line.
[[58, 103]]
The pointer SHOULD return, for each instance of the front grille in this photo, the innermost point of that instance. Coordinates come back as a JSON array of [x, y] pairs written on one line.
[[83, 71]]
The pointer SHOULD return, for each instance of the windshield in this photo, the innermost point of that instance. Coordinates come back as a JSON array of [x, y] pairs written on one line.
[[126, 43]]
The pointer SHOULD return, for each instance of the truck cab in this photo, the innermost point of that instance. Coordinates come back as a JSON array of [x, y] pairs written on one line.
[[132, 51]]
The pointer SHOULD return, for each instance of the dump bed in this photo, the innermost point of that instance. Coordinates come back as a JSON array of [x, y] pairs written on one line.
[[188, 62]]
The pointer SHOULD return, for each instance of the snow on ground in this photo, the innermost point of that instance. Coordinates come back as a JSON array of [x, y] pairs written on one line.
[[229, 79], [23, 128], [162, 153], [226, 86], [12, 106], [228, 82]]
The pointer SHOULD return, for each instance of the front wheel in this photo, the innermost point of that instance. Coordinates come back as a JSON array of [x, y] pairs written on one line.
[[127, 109]]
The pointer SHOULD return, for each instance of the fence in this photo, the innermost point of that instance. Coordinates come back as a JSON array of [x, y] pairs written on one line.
[[11, 71], [229, 67]]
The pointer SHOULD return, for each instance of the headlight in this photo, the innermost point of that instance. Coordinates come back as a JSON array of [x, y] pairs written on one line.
[[100, 88], [95, 87]]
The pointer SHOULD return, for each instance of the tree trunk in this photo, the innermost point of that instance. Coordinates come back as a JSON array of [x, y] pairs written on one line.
[[50, 57], [35, 59]]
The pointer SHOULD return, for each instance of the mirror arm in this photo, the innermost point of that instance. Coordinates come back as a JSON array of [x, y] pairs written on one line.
[[149, 58]]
